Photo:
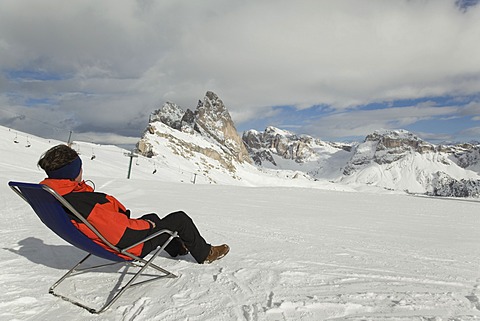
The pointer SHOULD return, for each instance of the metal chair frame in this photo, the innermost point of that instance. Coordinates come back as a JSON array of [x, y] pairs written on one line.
[[50, 208]]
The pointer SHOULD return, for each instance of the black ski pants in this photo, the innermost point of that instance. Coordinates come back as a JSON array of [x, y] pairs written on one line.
[[187, 232]]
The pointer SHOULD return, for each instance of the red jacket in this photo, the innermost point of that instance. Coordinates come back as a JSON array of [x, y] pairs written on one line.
[[104, 212]]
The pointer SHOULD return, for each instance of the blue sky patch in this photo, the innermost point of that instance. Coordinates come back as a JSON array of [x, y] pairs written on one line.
[[39, 75]]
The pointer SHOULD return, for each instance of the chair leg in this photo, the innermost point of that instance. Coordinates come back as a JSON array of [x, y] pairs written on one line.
[[150, 261], [143, 267], [66, 275]]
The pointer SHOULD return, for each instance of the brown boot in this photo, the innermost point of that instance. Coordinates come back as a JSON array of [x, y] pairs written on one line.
[[216, 253]]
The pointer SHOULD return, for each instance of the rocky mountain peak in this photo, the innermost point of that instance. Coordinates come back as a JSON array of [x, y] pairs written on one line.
[[398, 141], [274, 141], [213, 120], [212, 109], [169, 114], [385, 147], [210, 120]]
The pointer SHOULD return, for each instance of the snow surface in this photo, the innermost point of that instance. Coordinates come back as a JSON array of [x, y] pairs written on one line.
[[296, 253]]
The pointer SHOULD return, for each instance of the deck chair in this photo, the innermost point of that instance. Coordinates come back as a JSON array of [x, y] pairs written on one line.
[[50, 208]]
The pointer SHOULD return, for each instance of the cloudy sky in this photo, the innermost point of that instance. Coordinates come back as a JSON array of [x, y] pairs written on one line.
[[337, 70]]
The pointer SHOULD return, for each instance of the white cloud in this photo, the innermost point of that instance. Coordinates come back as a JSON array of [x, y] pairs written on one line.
[[105, 138], [121, 58], [363, 122], [471, 109], [474, 131]]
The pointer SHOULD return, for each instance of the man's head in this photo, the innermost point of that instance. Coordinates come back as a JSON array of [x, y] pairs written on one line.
[[61, 162]]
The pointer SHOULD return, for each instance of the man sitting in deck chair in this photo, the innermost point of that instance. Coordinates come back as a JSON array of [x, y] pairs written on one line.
[[64, 169]]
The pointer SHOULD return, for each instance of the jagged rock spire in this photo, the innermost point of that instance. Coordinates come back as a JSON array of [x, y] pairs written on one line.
[[214, 121], [210, 119]]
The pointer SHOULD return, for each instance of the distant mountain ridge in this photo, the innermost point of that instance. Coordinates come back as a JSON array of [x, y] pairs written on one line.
[[399, 160], [391, 159], [274, 141]]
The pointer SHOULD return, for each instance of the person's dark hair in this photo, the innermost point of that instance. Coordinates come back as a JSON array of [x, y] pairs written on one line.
[[57, 157]]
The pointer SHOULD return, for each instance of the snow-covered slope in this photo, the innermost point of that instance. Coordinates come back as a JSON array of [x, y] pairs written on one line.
[[296, 253]]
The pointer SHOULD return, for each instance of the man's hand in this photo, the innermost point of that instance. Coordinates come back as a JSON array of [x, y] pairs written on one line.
[[151, 223]]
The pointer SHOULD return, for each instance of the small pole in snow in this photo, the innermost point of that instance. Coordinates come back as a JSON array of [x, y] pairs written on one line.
[[69, 142], [131, 155], [194, 178]]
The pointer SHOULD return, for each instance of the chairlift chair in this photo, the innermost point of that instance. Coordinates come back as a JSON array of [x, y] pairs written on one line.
[[52, 209]]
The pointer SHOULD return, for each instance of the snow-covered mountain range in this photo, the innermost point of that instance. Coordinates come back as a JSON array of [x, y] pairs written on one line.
[[390, 159]]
